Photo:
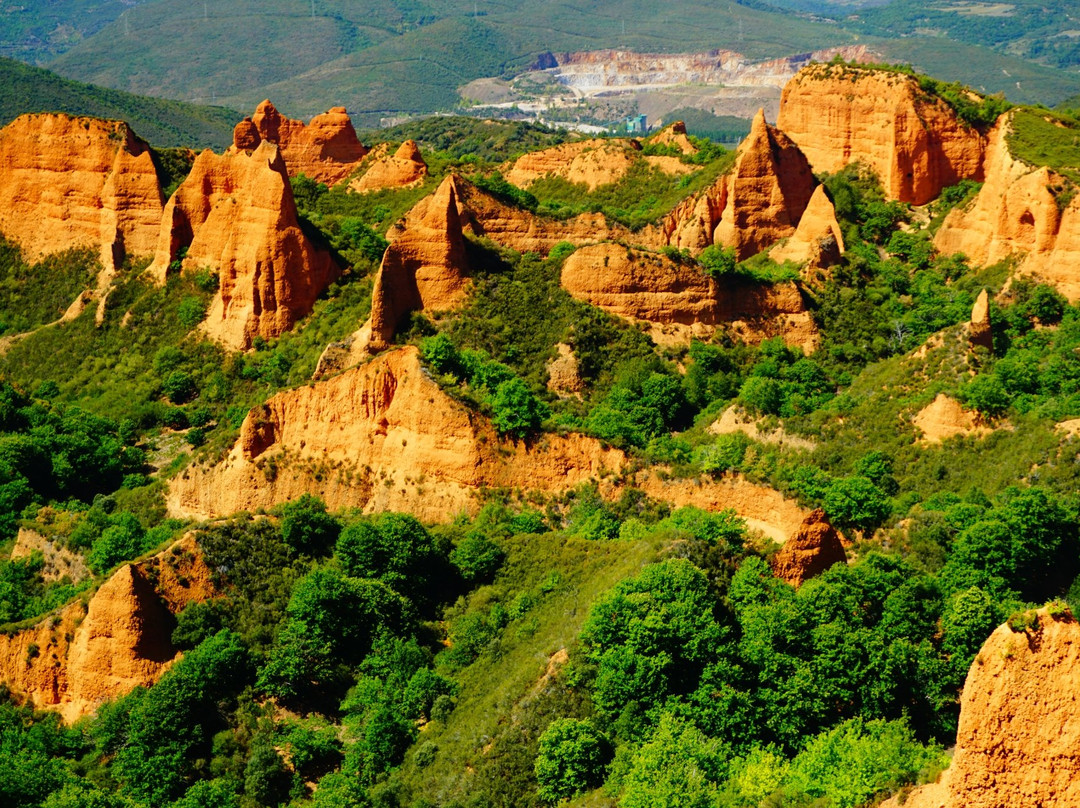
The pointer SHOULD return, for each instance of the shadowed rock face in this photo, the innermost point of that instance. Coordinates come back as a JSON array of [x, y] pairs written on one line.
[[841, 114], [326, 149], [1016, 213], [1019, 726], [811, 550], [78, 182], [87, 655], [235, 214], [818, 241]]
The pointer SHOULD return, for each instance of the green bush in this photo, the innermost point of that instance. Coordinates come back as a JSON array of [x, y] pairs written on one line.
[[571, 759]]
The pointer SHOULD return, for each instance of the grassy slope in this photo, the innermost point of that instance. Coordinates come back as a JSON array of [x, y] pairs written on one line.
[[164, 123], [1041, 139]]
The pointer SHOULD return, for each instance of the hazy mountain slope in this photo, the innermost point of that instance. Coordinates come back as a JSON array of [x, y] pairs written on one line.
[[164, 123], [387, 58], [983, 69]]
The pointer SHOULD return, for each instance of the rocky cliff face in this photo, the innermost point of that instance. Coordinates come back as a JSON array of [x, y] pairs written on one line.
[[235, 215], [679, 301], [424, 268], [326, 149], [811, 550], [757, 203], [1018, 213], [840, 114], [87, 654], [380, 436], [405, 168], [78, 182], [1017, 739]]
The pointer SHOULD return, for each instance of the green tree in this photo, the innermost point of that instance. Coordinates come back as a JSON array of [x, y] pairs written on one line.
[[571, 758]]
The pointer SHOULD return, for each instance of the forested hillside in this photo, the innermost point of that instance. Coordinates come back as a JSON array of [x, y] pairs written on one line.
[[598, 472]]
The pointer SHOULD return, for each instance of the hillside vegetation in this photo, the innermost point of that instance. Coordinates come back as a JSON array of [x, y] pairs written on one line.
[[602, 646], [26, 89]]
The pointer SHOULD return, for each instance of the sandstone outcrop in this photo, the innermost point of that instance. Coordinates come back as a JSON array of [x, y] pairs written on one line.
[[405, 168], [381, 436], [768, 190], [945, 417], [588, 162], [59, 561], [1019, 723], [675, 135], [818, 242], [564, 376], [841, 114], [735, 419], [980, 332], [764, 509], [235, 215], [811, 550], [681, 302], [1017, 213], [483, 214], [86, 654], [326, 149], [757, 203], [78, 182]]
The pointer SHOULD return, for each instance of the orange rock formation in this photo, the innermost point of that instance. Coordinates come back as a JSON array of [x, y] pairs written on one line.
[[757, 203], [588, 162], [405, 168], [1019, 725], [980, 333], [680, 301], [235, 214], [1017, 213], [326, 149], [945, 418], [675, 135], [87, 654], [380, 436], [78, 182], [768, 190], [818, 242], [484, 215], [811, 550], [840, 114]]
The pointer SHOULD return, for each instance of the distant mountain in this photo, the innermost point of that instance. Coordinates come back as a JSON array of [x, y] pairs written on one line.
[[386, 58], [163, 123]]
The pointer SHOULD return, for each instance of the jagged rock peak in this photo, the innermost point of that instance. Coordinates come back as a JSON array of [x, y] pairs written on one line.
[[818, 242], [768, 190], [235, 214], [1018, 213], [405, 168], [811, 550], [326, 149]]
